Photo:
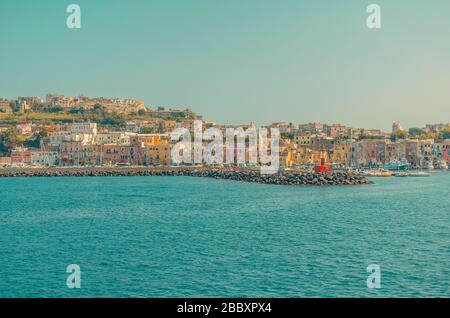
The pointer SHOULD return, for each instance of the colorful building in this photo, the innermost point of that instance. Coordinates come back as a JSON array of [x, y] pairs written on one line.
[[110, 154], [24, 128], [159, 153], [5, 106], [446, 151], [307, 156], [21, 155], [45, 158], [77, 153], [341, 152], [5, 160], [412, 152]]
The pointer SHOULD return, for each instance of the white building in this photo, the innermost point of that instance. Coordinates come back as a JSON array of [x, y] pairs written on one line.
[[58, 138], [114, 137], [84, 128], [396, 127], [44, 158]]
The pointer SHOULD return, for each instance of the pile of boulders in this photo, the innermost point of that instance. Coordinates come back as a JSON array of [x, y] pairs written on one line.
[[282, 177]]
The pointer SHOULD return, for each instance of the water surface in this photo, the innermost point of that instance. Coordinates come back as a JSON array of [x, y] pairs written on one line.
[[194, 237]]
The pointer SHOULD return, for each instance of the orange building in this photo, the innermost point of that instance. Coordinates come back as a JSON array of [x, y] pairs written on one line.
[[157, 150]]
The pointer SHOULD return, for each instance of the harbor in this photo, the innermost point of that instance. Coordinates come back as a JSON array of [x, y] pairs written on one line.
[[404, 169]]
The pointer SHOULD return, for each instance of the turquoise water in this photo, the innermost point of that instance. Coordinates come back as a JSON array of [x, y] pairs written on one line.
[[186, 237]]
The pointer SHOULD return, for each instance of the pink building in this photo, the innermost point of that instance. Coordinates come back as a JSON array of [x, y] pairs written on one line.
[[76, 153], [412, 152], [375, 151], [395, 151], [115, 153], [446, 151], [21, 155]]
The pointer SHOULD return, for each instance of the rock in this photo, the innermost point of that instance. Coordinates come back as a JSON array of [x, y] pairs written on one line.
[[291, 178]]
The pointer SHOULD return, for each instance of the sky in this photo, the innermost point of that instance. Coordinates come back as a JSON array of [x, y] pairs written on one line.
[[238, 61]]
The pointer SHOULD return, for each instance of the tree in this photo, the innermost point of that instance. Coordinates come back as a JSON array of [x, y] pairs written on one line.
[[77, 111], [161, 127], [9, 140], [148, 130], [445, 134], [55, 109], [416, 132], [98, 109], [112, 119], [141, 112], [399, 135], [35, 141], [287, 136]]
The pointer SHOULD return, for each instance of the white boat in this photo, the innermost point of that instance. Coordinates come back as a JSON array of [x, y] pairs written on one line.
[[399, 165], [377, 173], [443, 165], [412, 174]]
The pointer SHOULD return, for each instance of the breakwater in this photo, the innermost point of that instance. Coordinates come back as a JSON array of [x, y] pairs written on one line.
[[282, 178]]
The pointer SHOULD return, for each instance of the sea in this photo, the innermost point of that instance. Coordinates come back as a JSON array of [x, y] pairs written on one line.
[[200, 237]]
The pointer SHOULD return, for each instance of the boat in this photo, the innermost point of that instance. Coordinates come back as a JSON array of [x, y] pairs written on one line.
[[419, 174], [399, 165], [443, 165], [412, 174], [428, 166], [377, 173]]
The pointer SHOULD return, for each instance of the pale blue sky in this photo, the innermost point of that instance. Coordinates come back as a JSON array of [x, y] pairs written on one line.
[[238, 61]]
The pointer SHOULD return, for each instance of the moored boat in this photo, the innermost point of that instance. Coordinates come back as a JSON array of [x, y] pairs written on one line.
[[443, 165], [412, 174], [377, 173], [400, 165]]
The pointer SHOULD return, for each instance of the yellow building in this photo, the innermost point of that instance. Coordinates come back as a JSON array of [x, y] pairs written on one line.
[[303, 140], [341, 152], [287, 151], [287, 157], [305, 156], [157, 150]]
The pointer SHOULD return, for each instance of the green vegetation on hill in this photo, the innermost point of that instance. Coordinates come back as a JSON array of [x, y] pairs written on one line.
[[419, 133], [97, 114], [445, 134], [11, 139], [43, 115]]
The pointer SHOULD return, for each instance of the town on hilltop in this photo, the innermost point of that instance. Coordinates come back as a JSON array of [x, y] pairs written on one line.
[[83, 131]]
